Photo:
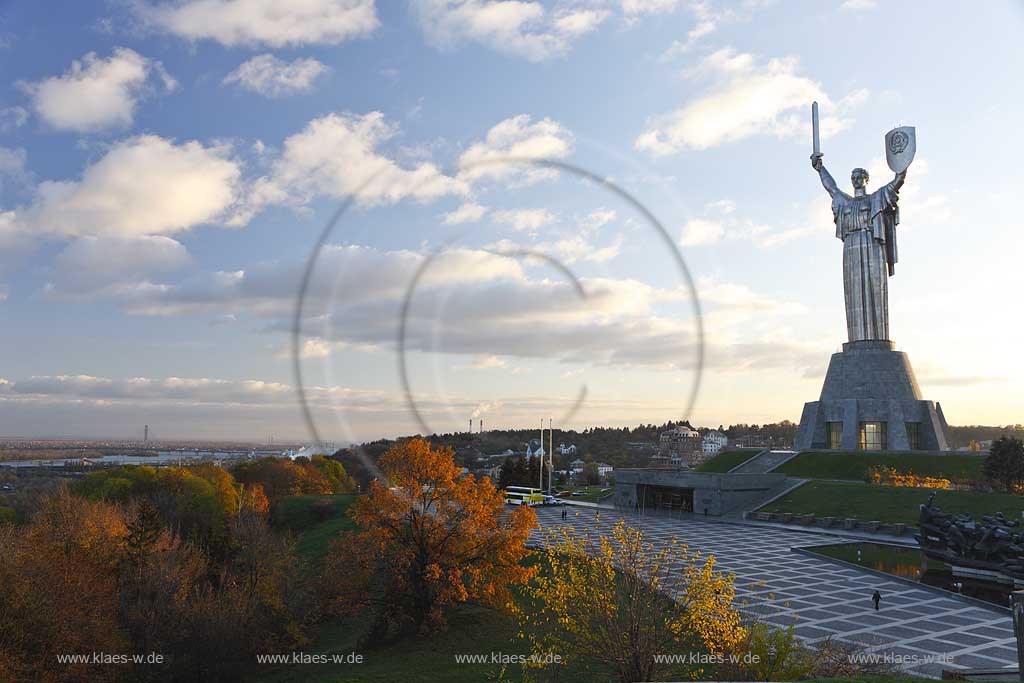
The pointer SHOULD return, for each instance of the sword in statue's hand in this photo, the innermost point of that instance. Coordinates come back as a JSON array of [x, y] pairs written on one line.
[[816, 133]]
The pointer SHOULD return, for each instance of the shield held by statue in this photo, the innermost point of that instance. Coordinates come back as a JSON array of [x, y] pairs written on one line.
[[900, 147]]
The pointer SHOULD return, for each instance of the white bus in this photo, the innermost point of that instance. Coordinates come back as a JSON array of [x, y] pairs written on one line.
[[523, 495]]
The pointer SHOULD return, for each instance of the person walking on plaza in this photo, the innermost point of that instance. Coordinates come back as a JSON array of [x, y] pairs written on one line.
[[876, 598]]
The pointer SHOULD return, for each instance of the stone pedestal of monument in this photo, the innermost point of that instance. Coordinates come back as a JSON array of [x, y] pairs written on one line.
[[870, 382]]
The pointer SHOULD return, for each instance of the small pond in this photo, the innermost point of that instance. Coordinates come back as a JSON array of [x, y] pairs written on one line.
[[910, 563]]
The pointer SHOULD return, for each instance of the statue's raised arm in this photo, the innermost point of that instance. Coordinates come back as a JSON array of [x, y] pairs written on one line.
[[827, 181], [897, 183]]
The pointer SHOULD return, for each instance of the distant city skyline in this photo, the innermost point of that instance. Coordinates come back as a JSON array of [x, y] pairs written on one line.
[[166, 170]]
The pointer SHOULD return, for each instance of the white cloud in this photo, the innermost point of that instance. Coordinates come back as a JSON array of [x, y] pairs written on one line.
[[273, 77], [486, 407], [486, 363], [721, 222], [745, 99], [724, 206], [12, 165], [315, 348], [479, 304], [858, 5], [580, 22], [12, 233], [514, 27], [524, 219], [516, 138], [95, 93], [202, 390], [572, 249], [336, 156], [916, 206], [344, 273], [276, 23], [707, 19], [630, 7], [701, 231], [596, 219], [470, 212], [12, 117], [90, 263], [145, 185]]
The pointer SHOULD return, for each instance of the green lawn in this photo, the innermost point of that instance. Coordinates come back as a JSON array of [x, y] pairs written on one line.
[[889, 503], [593, 493], [854, 466], [315, 519], [472, 629], [726, 460]]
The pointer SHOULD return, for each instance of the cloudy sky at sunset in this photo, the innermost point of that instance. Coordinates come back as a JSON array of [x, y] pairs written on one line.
[[167, 169]]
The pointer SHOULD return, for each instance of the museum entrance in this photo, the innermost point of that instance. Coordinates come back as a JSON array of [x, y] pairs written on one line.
[[664, 498]]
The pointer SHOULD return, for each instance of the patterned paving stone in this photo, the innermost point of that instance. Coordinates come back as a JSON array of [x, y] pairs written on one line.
[[826, 599]]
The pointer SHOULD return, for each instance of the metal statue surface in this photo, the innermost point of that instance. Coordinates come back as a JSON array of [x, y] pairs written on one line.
[[866, 223], [995, 544]]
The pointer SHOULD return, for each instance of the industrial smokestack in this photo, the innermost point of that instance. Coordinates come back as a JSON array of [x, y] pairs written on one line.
[[481, 425]]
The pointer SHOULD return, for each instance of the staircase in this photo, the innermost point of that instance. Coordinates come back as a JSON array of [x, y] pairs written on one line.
[[765, 461]]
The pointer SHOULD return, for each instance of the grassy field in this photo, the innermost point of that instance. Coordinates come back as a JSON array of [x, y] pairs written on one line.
[[888, 503], [316, 520], [726, 460], [592, 493], [854, 466], [472, 630]]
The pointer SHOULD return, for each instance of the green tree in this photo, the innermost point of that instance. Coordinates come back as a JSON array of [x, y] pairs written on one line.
[[591, 475], [1005, 463], [143, 532]]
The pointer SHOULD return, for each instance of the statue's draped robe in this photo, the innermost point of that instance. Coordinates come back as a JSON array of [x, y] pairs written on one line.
[[867, 227]]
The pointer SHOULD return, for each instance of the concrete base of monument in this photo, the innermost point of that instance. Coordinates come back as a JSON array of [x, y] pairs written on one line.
[[871, 401]]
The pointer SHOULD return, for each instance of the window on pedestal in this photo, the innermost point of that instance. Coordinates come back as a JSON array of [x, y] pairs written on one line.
[[872, 436], [914, 436], [834, 434]]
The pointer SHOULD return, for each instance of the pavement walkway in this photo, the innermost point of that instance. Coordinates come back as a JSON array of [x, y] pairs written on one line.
[[924, 627]]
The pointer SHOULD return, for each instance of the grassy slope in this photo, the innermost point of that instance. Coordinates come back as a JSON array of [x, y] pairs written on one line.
[[726, 460], [887, 503], [854, 465], [471, 630], [299, 515]]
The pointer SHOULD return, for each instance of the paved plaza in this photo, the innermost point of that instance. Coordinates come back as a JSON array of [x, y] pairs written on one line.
[[823, 598]]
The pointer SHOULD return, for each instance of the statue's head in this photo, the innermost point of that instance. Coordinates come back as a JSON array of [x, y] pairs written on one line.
[[859, 177]]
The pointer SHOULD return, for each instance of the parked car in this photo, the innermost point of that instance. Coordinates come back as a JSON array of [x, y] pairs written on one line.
[[563, 494], [552, 500]]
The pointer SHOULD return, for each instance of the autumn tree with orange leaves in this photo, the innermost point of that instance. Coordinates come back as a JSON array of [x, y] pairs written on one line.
[[427, 539]]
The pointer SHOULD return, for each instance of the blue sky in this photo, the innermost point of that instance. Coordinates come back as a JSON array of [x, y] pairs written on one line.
[[166, 169]]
